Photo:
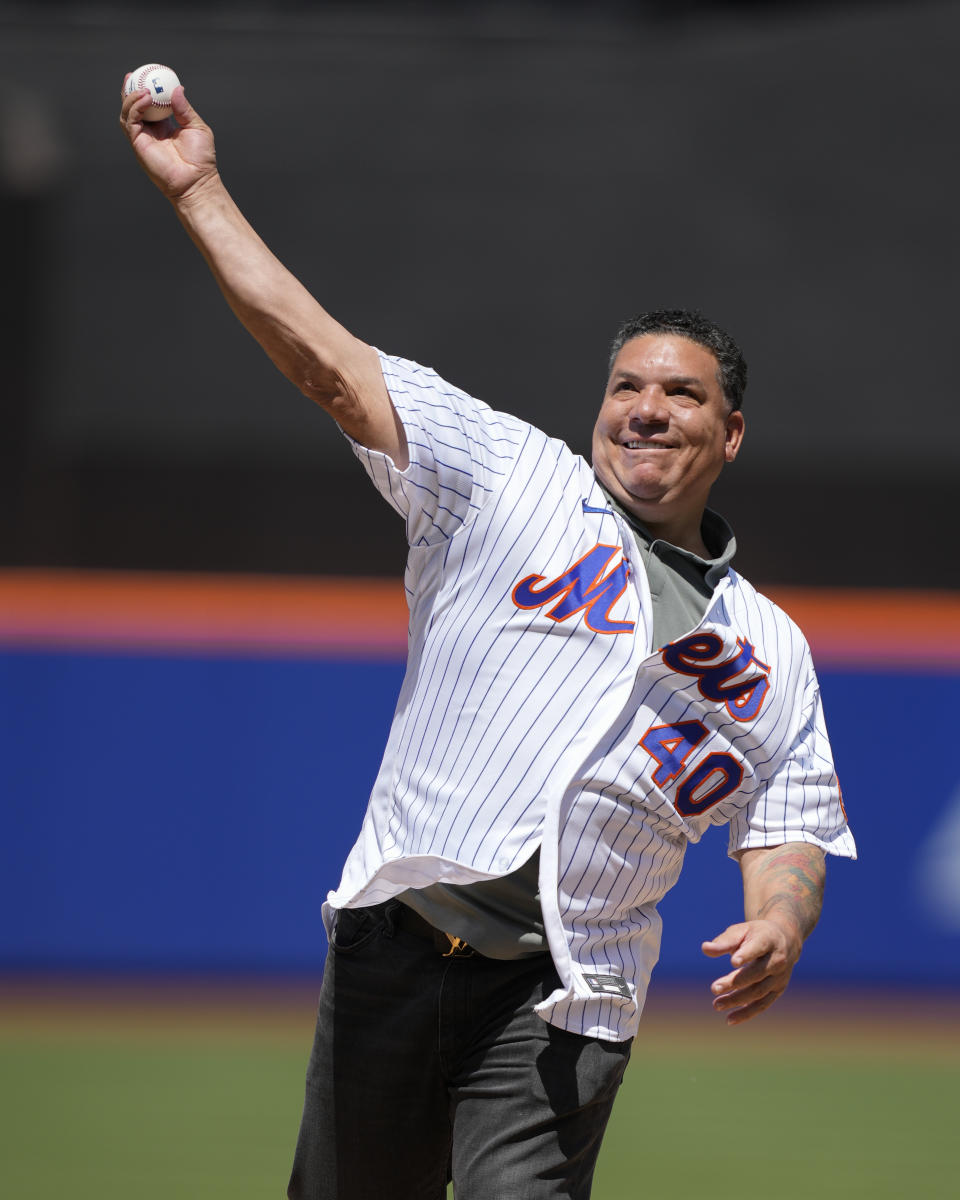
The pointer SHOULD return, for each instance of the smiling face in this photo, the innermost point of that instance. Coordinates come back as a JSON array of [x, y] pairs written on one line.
[[664, 431]]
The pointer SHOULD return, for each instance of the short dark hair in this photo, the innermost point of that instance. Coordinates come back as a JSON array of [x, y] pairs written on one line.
[[693, 325]]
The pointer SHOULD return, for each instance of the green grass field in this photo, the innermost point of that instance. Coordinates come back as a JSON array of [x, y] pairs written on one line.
[[117, 1103]]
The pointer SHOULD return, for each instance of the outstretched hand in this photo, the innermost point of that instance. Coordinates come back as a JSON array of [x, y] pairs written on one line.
[[178, 155], [763, 956]]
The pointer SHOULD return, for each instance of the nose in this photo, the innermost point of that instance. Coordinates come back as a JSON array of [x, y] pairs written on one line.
[[650, 407]]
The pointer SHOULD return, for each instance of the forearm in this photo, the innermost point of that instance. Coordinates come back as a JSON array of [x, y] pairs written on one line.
[[326, 362], [784, 884], [782, 894], [313, 350]]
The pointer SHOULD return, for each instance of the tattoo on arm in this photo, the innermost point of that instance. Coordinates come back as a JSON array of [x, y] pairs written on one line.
[[790, 880]]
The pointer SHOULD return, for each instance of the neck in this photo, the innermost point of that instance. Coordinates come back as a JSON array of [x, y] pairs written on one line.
[[686, 535], [684, 532]]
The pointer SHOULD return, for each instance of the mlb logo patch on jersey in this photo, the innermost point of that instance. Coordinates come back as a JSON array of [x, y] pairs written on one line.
[[608, 985]]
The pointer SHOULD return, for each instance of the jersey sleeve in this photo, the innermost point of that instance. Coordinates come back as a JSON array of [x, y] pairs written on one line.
[[801, 801], [461, 452]]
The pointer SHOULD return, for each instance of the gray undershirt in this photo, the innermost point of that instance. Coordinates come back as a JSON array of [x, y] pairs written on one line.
[[501, 918]]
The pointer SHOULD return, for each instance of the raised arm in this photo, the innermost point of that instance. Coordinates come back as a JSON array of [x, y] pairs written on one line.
[[782, 895], [326, 362]]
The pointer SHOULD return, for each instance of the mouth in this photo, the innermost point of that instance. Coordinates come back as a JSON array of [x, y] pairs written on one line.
[[637, 444]]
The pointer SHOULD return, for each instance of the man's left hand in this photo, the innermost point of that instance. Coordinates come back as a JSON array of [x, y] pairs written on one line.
[[763, 956]]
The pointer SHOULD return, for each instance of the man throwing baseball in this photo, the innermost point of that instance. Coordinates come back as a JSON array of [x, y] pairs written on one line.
[[590, 686]]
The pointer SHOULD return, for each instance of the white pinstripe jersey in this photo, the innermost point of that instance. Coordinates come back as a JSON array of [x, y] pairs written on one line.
[[534, 711]]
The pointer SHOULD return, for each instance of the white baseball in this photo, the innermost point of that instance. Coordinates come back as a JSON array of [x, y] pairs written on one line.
[[161, 81]]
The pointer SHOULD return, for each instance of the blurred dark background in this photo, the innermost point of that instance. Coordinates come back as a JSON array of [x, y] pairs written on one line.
[[489, 189]]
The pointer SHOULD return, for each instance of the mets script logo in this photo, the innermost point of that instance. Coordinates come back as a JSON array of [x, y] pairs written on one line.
[[740, 682], [590, 586]]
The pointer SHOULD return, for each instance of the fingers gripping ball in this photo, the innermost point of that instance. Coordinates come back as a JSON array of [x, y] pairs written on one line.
[[161, 81]]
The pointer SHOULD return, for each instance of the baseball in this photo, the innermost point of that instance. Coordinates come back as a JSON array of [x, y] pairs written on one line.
[[161, 81]]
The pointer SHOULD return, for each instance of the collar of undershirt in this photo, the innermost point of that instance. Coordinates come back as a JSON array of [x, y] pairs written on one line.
[[715, 531]]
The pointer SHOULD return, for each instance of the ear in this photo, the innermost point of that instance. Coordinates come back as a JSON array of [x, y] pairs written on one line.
[[733, 436]]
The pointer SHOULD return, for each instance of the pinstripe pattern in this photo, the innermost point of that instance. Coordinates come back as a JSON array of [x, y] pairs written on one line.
[[515, 730]]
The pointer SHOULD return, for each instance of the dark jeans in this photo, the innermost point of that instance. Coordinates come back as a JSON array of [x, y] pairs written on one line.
[[424, 1065]]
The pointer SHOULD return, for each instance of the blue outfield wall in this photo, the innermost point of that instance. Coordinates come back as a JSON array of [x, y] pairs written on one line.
[[181, 812]]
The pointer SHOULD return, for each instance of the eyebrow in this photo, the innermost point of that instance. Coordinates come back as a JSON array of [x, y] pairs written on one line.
[[683, 380]]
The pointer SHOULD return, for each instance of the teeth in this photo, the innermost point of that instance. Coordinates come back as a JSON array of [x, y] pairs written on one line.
[[644, 446]]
